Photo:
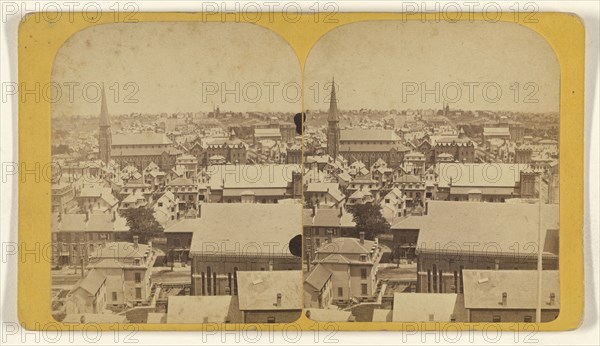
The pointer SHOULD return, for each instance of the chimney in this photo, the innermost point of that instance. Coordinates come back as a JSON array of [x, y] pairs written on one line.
[[314, 211], [552, 298], [362, 237], [114, 218], [504, 298], [136, 241], [87, 216], [278, 304], [341, 211]]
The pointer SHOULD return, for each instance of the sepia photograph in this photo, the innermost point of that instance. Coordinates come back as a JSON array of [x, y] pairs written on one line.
[[431, 174], [177, 180]]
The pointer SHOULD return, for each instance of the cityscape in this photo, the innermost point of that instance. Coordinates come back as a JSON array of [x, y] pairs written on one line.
[[390, 212]]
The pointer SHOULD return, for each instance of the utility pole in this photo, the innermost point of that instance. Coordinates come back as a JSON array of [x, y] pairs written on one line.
[[538, 310]]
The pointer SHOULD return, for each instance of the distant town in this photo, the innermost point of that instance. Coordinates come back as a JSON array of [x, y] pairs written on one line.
[[228, 217]]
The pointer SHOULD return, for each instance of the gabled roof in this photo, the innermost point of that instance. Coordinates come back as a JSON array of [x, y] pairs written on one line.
[[91, 283], [318, 277], [258, 290], [330, 315]]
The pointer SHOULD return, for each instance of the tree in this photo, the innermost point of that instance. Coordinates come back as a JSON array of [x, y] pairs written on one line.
[[368, 219], [142, 223]]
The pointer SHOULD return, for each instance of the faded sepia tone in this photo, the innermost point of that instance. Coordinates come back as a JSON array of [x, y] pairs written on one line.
[[431, 172], [177, 180]]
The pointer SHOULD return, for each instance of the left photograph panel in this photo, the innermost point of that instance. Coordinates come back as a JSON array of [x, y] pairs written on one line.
[[177, 186]]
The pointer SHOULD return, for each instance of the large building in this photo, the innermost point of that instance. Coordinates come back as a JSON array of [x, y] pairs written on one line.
[[366, 145], [141, 149], [223, 240], [138, 149], [462, 235]]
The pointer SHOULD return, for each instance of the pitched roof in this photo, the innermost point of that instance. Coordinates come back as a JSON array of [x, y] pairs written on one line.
[[479, 174], [345, 245], [495, 223], [318, 276], [372, 135], [258, 290], [425, 307], [484, 288], [148, 138], [252, 176], [203, 309], [330, 315], [91, 283], [235, 225]]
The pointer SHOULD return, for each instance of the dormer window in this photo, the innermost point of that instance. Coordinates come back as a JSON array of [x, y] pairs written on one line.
[[363, 258]]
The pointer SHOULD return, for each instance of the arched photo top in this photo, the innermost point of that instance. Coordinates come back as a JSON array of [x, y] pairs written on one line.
[[156, 67], [373, 60]]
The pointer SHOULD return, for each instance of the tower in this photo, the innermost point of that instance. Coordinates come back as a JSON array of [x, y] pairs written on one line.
[[104, 135], [333, 127]]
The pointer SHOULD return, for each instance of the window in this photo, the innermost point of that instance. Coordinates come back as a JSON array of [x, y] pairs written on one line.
[[340, 291], [496, 318], [138, 277], [364, 289], [363, 273], [138, 293], [114, 296], [270, 319], [528, 319]]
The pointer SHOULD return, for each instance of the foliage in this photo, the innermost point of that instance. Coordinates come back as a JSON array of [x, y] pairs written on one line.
[[141, 222], [368, 219]]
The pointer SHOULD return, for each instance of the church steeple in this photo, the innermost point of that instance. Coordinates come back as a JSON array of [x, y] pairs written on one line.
[[333, 110], [333, 127], [104, 119], [104, 134]]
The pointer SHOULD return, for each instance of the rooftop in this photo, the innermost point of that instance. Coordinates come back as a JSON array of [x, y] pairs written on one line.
[[484, 288], [427, 307], [258, 290], [148, 138]]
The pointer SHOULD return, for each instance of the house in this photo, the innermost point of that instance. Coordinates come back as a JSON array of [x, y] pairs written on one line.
[[326, 195], [320, 225], [318, 288], [76, 236], [353, 263], [510, 295], [266, 183], [97, 199], [485, 182], [393, 206], [127, 267], [88, 295], [186, 192], [462, 235], [166, 208], [270, 296], [423, 307]]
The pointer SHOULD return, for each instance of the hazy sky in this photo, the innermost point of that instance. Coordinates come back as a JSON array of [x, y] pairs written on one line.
[[383, 65], [173, 67]]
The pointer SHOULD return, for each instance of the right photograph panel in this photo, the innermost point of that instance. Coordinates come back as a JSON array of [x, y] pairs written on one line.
[[431, 174]]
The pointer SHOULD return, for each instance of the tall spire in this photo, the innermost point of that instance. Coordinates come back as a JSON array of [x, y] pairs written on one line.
[[333, 111], [104, 119]]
